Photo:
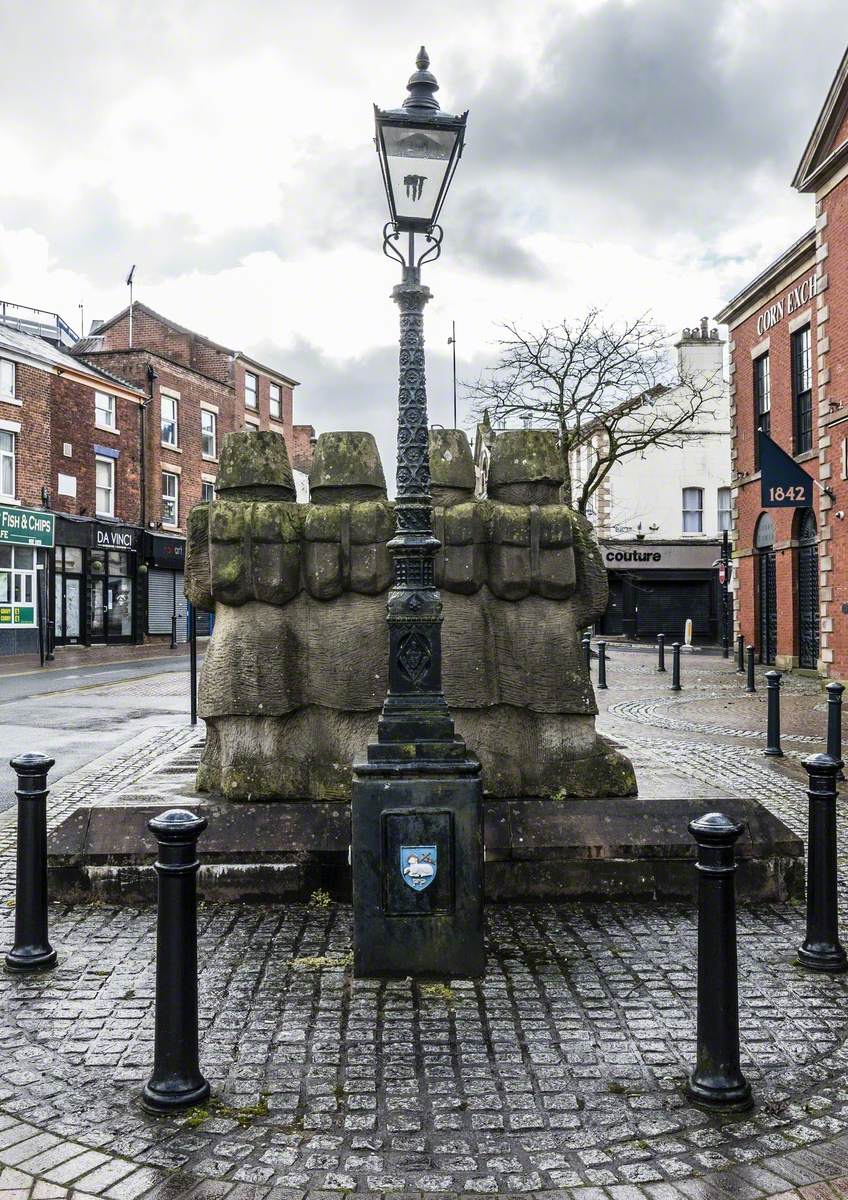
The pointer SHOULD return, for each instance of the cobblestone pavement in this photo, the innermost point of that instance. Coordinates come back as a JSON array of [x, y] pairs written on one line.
[[559, 1075]]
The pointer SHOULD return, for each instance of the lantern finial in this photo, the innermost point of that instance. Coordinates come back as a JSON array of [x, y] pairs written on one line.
[[422, 86]]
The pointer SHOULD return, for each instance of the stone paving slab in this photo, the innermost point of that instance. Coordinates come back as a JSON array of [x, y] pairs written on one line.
[[559, 1075]]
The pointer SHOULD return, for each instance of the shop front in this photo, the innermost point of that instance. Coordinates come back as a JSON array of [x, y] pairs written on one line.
[[26, 537], [167, 607], [94, 582], [655, 587]]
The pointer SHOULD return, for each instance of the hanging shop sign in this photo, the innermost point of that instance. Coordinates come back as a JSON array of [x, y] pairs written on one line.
[[27, 526], [783, 484]]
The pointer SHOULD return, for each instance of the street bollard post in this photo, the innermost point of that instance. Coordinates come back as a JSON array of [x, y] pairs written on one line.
[[834, 722], [192, 616], [821, 949], [661, 652], [675, 666], [740, 655], [717, 1082], [773, 749], [602, 665], [176, 1082], [32, 950], [751, 685], [587, 652]]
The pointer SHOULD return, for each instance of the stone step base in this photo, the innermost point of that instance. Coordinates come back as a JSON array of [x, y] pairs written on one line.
[[535, 850]]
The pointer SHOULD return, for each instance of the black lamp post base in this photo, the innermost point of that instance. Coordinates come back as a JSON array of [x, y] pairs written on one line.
[[772, 752], [156, 1100], [417, 858], [19, 961], [831, 959], [731, 1096]]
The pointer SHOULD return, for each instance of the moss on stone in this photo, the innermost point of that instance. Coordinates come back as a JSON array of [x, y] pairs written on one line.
[[451, 463], [255, 465], [525, 456], [346, 459]]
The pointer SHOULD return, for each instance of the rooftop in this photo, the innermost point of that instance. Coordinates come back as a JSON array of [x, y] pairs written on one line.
[[35, 348]]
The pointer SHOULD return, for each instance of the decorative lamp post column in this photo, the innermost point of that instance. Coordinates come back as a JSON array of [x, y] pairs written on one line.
[[416, 802]]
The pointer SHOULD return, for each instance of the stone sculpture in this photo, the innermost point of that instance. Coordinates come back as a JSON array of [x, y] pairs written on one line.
[[295, 672]]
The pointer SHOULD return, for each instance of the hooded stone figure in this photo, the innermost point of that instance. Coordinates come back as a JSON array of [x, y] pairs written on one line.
[[295, 673]]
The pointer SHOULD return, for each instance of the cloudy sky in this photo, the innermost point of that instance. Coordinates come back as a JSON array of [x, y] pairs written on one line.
[[634, 154]]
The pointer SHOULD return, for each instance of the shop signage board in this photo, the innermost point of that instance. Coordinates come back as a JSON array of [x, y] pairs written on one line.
[[17, 614], [115, 537], [783, 484], [659, 556], [27, 527]]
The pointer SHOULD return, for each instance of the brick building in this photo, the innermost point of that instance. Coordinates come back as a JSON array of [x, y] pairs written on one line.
[[789, 365], [118, 434]]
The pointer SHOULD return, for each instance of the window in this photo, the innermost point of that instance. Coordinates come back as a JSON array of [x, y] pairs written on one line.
[[802, 389], [7, 378], [207, 492], [7, 463], [724, 509], [250, 400], [170, 498], [17, 583], [693, 510], [104, 486], [104, 410], [276, 403], [208, 434], [169, 420], [762, 401]]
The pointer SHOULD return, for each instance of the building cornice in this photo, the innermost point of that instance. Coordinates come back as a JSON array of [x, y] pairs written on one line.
[[753, 295]]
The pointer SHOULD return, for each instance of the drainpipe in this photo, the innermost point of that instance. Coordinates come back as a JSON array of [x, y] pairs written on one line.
[[151, 384]]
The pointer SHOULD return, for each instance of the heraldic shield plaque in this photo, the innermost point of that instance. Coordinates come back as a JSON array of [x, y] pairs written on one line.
[[417, 857]]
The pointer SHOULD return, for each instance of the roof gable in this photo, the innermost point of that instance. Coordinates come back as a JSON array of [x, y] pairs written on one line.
[[827, 148]]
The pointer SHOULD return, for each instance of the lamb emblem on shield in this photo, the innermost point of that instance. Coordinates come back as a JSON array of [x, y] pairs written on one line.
[[418, 866]]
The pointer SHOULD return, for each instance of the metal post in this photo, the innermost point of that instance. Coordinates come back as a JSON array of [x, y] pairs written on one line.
[[675, 666], [740, 655], [751, 685], [717, 1081], [174, 631], [602, 665], [725, 596], [661, 652], [587, 652], [773, 749], [834, 719], [192, 616], [32, 950], [821, 949], [176, 1081]]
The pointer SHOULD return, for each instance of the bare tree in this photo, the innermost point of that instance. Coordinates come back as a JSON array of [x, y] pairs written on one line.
[[614, 387]]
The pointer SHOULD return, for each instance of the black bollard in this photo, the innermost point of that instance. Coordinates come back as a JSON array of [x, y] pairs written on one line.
[[821, 949], [32, 950], [675, 666], [751, 685], [834, 719], [717, 1081], [587, 652], [176, 1081], [602, 665], [192, 616], [740, 655], [661, 652], [773, 749]]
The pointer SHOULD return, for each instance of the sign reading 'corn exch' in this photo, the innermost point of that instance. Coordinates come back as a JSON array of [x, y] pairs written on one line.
[[27, 527]]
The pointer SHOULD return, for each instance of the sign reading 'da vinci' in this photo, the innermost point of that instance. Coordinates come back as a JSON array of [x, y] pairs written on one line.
[[783, 484], [795, 299]]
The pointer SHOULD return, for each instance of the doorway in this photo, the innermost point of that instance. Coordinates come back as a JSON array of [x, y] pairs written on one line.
[[808, 590]]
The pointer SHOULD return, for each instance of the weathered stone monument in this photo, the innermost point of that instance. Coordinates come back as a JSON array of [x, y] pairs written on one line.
[[295, 673]]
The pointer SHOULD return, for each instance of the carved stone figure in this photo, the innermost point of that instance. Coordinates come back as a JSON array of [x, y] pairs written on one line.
[[295, 672]]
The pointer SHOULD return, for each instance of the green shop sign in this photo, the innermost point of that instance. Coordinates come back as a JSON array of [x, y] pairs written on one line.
[[17, 614], [27, 527]]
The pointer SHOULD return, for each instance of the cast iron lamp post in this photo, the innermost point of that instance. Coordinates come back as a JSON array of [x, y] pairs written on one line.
[[417, 789]]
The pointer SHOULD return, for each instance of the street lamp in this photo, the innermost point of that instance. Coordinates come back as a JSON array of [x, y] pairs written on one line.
[[417, 795]]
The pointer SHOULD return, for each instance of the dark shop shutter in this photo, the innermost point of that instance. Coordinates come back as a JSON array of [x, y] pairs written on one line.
[[164, 592]]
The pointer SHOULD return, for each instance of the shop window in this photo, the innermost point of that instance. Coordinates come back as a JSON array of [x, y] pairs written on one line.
[[208, 434], [7, 464], [250, 400], [17, 585], [170, 406], [276, 403], [104, 410], [7, 378], [693, 510], [762, 402], [170, 498], [802, 389], [723, 509], [104, 486], [207, 492]]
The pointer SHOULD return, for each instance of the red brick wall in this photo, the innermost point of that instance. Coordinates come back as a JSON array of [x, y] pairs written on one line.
[[32, 444], [301, 447]]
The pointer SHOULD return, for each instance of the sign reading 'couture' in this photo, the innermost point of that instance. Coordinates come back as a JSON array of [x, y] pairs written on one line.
[[794, 300]]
